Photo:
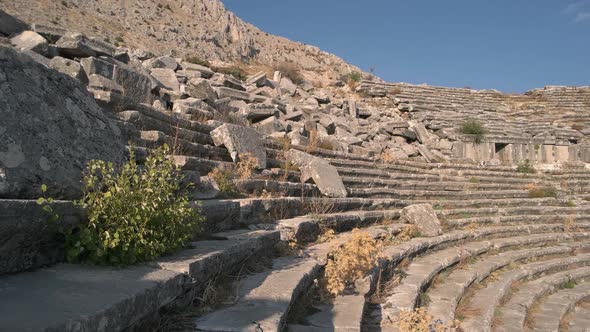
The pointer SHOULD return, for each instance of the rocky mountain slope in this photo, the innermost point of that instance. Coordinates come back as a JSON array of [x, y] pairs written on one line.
[[178, 27]]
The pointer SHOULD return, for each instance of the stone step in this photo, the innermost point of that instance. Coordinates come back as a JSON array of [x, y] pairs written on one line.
[[521, 219], [203, 166], [264, 299], [514, 312], [482, 306], [144, 122], [82, 297], [428, 175], [359, 182], [422, 270], [553, 309], [508, 211], [307, 228], [260, 187], [446, 293], [436, 194], [580, 319], [396, 253], [153, 139]]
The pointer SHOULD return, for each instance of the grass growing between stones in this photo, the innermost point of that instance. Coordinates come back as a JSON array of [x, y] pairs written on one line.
[[224, 181]]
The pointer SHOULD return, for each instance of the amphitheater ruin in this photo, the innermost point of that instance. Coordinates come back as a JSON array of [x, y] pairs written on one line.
[[487, 233]]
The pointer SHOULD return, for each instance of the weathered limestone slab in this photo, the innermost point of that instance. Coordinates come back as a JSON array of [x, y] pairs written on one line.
[[98, 66], [224, 92], [270, 126], [167, 62], [97, 82], [422, 133], [259, 79], [77, 45], [201, 89], [69, 67], [167, 78], [51, 127], [324, 175], [240, 140], [203, 71], [30, 40], [424, 217]]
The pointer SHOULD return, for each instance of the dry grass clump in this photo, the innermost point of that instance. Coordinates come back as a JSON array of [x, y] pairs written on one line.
[[196, 60], [290, 71], [386, 157], [318, 142], [536, 191], [408, 233], [569, 224], [246, 166], [351, 261], [419, 320], [224, 181]]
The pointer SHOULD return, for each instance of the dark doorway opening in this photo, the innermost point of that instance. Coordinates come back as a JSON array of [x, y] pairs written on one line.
[[500, 146]]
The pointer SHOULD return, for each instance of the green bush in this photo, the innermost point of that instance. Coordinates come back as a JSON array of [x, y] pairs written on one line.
[[473, 127], [135, 214], [354, 76], [526, 167]]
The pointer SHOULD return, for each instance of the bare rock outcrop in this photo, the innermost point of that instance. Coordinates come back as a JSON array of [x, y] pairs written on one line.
[[51, 127]]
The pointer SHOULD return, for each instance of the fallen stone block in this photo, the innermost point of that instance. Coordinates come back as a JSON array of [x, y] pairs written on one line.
[[270, 126], [166, 78], [166, 62], [97, 82], [77, 45], [224, 92], [98, 66], [259, 79], [421, 133], [423, 217], [240, 140], [201, 89], [324, 175], [31, 41], [69, 67], [203, 71]]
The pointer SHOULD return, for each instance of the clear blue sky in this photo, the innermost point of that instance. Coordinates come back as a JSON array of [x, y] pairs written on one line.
[[510, 45]]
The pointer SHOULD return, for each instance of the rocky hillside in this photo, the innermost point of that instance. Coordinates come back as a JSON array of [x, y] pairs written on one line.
[[178, 27]]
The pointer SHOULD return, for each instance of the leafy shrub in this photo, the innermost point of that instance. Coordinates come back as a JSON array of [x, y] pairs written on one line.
[[350, 262], [194, 59], [526, 167], [224, 181], [354, 76], [473, 127], [134, 214], [290, 71]]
